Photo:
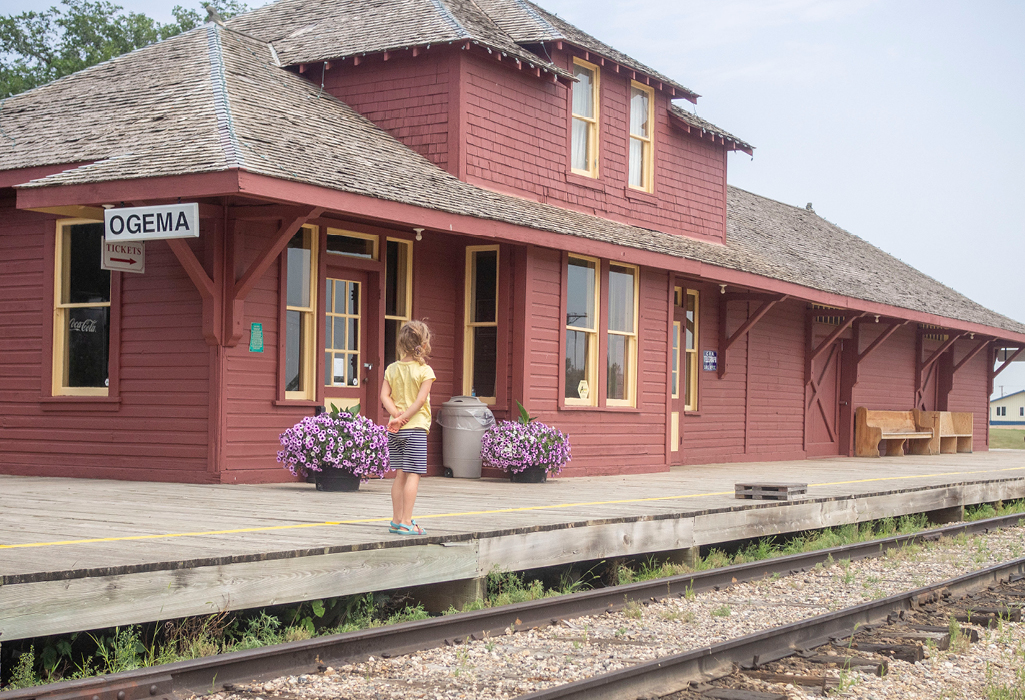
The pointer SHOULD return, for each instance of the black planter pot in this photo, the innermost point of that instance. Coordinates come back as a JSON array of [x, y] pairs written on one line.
[[336, 480], [530, 475]]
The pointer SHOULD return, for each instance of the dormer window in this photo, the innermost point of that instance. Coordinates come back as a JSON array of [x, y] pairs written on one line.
[[584, 149], [641, 130]]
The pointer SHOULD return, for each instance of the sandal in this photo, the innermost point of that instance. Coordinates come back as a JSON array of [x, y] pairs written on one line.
[[393, 527], [407, 530]]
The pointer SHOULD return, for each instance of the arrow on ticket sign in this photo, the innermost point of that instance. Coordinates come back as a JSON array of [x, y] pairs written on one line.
[[130, 261]]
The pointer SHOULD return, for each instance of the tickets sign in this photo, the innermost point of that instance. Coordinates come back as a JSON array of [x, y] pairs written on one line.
[[129, 256], [151, 223]]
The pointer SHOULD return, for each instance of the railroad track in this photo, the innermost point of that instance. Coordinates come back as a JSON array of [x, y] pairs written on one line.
[[660, 678]]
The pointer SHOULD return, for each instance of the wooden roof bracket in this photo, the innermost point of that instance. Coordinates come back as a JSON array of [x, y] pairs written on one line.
[[207, 289], [237, 291], [849, 318], [926, 364], [883, 337], [975, 351], [1007, 362], [725, 342], [925, 369]]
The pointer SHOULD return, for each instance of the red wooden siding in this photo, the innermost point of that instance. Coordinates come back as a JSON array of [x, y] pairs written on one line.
[[969, 392], [716, 432], [776, 383], [407, 97], [159, 429], [605, 441], [886, 378], [517, 140]]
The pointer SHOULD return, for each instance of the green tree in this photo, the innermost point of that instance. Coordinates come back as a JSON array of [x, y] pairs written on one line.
[[37, 47]]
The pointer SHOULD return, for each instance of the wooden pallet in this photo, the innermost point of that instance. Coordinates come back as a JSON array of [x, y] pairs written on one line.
[[771, 492]]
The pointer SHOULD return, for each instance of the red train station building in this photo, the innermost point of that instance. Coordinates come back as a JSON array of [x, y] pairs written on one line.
[[537, 196]]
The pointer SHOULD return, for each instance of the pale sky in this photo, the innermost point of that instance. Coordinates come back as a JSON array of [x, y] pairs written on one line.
[[903, 121]]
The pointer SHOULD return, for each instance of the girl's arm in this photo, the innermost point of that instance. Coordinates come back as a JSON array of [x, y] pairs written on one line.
[[387, 401], [421, 397]]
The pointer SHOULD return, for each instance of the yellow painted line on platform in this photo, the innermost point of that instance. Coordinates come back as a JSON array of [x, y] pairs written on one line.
[[553, 506]]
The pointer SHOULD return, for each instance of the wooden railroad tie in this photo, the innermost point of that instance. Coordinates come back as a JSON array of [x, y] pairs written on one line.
[[764, 491]]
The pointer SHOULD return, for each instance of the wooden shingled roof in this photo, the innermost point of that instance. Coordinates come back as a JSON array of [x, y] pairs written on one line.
[[311, 31], [214, 100]]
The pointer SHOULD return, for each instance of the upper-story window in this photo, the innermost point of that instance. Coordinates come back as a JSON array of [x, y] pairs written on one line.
[[642, 122], [584, 157]]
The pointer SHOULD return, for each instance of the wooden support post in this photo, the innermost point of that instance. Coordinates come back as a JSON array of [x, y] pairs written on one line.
[[440, 597]]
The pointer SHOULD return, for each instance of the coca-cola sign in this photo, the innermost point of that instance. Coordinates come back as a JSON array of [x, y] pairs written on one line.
[[85, 325]]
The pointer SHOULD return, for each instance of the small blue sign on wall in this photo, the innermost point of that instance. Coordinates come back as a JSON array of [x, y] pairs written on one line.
[[256, 337], [711, 361]]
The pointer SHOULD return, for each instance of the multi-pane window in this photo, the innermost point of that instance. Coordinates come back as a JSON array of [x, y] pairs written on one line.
[[300, 308], [81, 331], [480, 352], [398, 294], [691, 363], [581, 369], [341, 333], [584, 142], [622, 335], [641, 171]]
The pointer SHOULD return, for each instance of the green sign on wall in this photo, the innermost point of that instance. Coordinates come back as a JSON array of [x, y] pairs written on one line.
[[256, 337]]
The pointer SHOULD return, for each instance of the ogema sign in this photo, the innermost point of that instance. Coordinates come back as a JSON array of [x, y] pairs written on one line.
[[151, 223]]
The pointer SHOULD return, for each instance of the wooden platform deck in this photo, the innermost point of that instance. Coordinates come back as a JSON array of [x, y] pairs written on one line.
[[82, 554]]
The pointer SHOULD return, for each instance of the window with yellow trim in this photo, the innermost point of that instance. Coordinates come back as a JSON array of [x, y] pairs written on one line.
[[81, 314], [586, 110], [621, 343], [351, 244], [480, 350], [300, 314], [582, 294], [642, 127], [676, 360], [398, 293], [692, 362]]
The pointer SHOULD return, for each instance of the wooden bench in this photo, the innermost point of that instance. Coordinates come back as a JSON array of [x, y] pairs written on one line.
[[953, 431], [892, 429]]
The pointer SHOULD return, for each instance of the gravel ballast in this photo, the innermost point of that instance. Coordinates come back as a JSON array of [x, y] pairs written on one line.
[[525, 661]]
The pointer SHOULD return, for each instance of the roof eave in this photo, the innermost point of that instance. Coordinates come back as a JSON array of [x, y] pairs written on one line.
[[539, 67], [674, 89], [730, 143], [239, 181]]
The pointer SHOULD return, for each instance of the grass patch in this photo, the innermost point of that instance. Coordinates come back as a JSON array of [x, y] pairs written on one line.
[[1007, 439]]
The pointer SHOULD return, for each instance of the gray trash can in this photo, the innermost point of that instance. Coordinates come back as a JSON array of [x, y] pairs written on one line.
[[463, 421]]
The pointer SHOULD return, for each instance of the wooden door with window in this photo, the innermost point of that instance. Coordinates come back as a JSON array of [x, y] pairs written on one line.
[[346, 361]]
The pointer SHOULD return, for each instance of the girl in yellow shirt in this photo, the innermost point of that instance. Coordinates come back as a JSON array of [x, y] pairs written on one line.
[[406, 394]]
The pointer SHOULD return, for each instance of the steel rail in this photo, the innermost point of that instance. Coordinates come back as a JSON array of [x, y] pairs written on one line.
[[205, 674], [671, 674]]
